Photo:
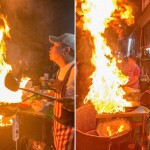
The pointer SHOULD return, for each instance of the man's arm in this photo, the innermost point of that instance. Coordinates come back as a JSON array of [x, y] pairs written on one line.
[[133, 81]]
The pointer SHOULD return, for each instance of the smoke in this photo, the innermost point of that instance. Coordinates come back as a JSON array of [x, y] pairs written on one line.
[[26, 31], [13, 6]]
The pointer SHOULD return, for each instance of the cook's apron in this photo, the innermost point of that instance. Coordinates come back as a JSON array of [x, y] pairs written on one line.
[[63, 119]]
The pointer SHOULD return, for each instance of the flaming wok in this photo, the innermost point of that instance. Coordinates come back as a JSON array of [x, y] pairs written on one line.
[[13, 83]]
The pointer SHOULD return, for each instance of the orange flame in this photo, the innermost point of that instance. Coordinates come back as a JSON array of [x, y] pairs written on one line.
[[113, 127], [106, 92], [111, 132], [6, 95], [5, 121]]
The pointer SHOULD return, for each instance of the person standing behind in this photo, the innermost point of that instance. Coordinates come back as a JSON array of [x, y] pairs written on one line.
[[133, 71], [62, 53]]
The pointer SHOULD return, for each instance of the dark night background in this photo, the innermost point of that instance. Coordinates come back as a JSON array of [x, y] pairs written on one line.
[[31, 22]]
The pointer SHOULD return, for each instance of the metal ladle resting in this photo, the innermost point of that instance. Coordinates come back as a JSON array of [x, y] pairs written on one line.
[[13, 84]]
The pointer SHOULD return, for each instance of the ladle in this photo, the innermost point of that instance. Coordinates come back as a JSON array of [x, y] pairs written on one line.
[[13, 84]]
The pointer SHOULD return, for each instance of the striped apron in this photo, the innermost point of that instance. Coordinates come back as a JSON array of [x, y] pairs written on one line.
[[63, 134]]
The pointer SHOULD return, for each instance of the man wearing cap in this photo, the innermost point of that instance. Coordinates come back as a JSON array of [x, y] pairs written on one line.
[[62, 53]]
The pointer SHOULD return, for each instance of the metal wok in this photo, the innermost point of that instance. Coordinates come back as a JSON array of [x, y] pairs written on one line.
[[13, 83]]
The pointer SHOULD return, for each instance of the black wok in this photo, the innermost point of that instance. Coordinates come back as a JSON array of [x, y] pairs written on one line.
[[13, 84]]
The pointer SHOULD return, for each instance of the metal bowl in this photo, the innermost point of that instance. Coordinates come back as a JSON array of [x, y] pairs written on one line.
[[135, 104]]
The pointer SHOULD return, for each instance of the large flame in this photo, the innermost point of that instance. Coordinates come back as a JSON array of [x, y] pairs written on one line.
[[105, 92], [6, 95]]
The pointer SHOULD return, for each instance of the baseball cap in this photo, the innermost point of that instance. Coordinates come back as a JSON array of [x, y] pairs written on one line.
[[66, 38]]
